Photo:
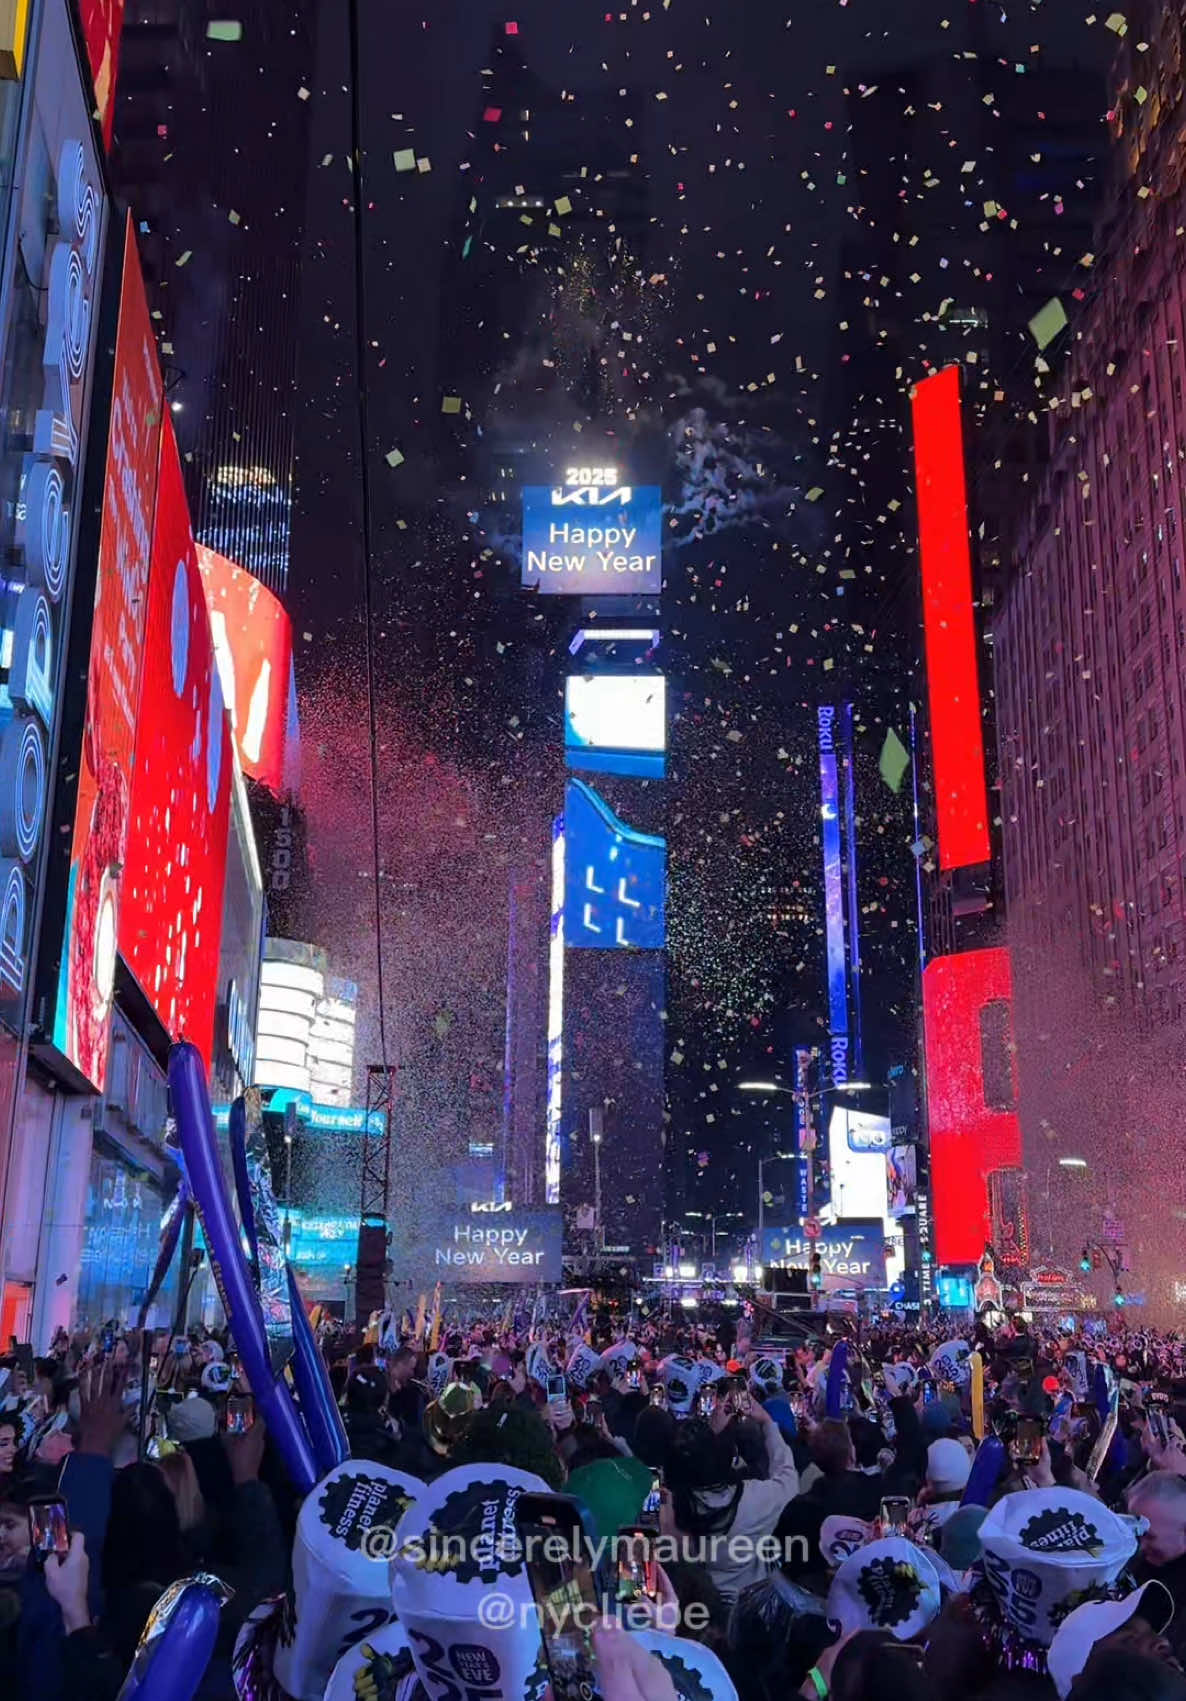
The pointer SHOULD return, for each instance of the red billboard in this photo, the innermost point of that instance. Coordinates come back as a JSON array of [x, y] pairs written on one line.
[[100, 839], [102, 25], [971, 1074], [170, 922], [949, 623], [253, 642]]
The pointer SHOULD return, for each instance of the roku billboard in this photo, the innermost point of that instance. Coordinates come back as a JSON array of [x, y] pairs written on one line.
[[971, 1078], [170, 923], [253, 643], [949, 624]]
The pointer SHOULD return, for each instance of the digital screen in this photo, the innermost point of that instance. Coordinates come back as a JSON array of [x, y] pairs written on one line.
[[592, 540], [253, 642], [970, 1136], [852, 1253], [857, 1144], [901, 1178], [170, 923], [949, 624], [99, 846], [833, 895], [955, 1293], [615, 878], [616, 723], [102, 25], [480, 1244], [554, 1100]]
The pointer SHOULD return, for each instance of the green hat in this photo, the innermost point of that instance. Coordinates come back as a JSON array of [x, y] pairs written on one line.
[[613, 1490]]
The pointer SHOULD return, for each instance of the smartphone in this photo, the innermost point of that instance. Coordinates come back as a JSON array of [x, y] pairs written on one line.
[[929, 1392], [649, 1516], [569, 1597], [180, 1347], [895, 1509], [49, 1529], [239, 1416], [107, 1339], [740, 1402], [634, 1376], [637, 1572], [556, 1388], [154, 1364], [659, 1396], [1099, 1452], [1026, 1447], [592, 1409]]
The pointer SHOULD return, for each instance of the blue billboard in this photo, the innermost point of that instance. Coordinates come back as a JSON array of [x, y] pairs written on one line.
[[484, 1243], [852, 1252], [616, 723], [615, 885], [589, 541]]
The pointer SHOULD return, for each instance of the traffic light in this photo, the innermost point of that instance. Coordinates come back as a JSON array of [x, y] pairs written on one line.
[[1085, 1261], [1118, 1299], [817, 1270]]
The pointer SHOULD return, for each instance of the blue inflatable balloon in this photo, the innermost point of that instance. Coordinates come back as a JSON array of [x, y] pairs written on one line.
[[985, 1472], [319, 1409], [1103, 1399], [837, 1367], [195, 1126], [176, 1643], [237, 1137]]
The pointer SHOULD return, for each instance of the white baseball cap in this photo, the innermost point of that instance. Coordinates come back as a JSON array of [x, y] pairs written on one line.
[[1080, 1630]]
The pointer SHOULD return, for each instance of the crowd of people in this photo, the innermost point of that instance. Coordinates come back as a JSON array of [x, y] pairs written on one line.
[[897, 1512]]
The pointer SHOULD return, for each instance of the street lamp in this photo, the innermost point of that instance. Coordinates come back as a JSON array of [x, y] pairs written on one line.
[[1072, 1163]]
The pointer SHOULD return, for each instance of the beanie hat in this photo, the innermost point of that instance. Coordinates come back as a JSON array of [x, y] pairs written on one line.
[[948, 1466], [191, 1419]]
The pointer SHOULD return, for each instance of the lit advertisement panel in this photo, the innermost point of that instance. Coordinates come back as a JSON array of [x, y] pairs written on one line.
[[949, 625], [590, 541], [484, 1243], [616, 723], [852, 1253], [971, 1077], [555, 1079], [102, 25], [171, 904], [857, 1144], [615, 879], [49, 337], [253, 642], [102, 812], [901, 1176], [833, 895]]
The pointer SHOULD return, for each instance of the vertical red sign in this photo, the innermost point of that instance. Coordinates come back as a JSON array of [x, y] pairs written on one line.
[[949, 624], [253, 642], [99, 846], [967, 1006], [102, 25], [170, 923]]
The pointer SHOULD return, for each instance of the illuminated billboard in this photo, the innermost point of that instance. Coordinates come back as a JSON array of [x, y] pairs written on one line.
[[857, 1144], [593, 536], [949, 623], [852, 1253], [615, 878], [616, 723], [102, 811], [481, 1243], [102, 25], [253, 642], [971, 1073], [901, 1177], [554, 1101], [833, 895], [171, 890]]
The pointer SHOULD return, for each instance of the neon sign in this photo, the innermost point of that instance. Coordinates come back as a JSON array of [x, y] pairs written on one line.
[[41, 548], [555, 1075], [833, 896]]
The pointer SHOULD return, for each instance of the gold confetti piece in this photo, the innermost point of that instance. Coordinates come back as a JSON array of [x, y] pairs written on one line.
[[814, 494], [1047, 322], [1117, 22], [451, 404], [224, 29], [394, 457], [563, 205], [234, 217], [405, 159], [184, 259], [302, 93], [424, 164]]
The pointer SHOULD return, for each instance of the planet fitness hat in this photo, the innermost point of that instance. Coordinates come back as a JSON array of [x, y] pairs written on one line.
[[1079, 1632], [766, 1377], [458, 1548], [1046, 1550], [888, 1585], [440, 1366], [379, 1666], [539, 1365], [949, 1363], [344, 1537], [695, 1672], [841, 1537], [619, 1357], [582, 1365], [681, 1379]]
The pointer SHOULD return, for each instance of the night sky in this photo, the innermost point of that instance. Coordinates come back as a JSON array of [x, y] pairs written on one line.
[[751, 195]]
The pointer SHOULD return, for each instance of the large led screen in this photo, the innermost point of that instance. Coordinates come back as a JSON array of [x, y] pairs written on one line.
[[479, 1244], [170, 920], [253, 642], [102, 813], [949, 623], [971, 1074], [852, 1253], [586, 542], [615, 878], [616, 723], [857, 1144]]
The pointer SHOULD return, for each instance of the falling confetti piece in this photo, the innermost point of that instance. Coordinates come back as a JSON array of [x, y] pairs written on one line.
[[1047, 322], [451, 404], [894, 761], [394, 457], [405, 159], [224, 29]]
